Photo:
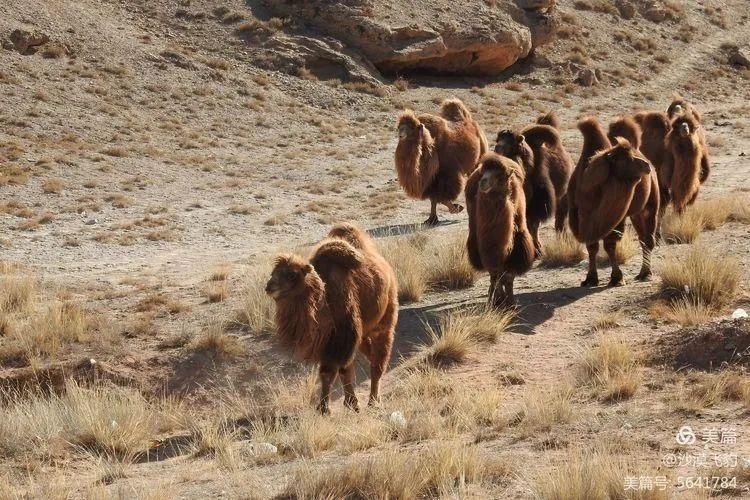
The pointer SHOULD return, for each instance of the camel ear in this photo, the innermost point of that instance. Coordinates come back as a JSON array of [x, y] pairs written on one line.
[[595, 174], [521, 138], [307, 268]]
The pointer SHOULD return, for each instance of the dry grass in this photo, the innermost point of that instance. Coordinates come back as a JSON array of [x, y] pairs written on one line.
[[221, 272], [448, 267], [257, 307], [53, 186], [706, 390], [115, 422], [439, 470], [593, 474], [541, 410], [215, 341], [562, 249], [703, 276], [684, 228], [16, 292], [608, 320], [46, 332], [459, 333], [684, 311], [626, 248], [217, 292], [709, 214], [406, 257], [610, 370]]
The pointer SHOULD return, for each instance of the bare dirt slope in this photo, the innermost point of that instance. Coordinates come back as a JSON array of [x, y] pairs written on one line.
[[148, 155]]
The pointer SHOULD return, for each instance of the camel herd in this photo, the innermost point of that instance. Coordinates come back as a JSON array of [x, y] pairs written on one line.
[[344, 297]]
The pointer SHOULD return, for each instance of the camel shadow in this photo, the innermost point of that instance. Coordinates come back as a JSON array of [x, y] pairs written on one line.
[[404, 229], [535, 308]]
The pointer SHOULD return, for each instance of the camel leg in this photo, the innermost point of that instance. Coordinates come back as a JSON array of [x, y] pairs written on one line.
[[534, 230], [592, 278], [495, 290], [348, 382], [432, 220], [381, 355], [561, 213], [453, 208], [645, 226], [507, 284], [327, 377], [610, 246]]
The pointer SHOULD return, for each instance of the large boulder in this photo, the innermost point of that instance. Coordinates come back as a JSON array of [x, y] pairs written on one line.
[[465, 37]]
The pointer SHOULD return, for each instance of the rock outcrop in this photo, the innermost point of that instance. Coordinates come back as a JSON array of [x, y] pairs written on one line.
[[464, 37]]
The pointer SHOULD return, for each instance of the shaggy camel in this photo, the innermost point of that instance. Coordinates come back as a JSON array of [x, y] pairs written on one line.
[[343, 299], [682, 170], [435, 154], [547, 169], [680, 107], [499, 240], [606, 187]]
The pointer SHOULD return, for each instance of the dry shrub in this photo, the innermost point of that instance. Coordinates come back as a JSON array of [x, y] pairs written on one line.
[[221, 272], [562, 249], [448, 267], [608, 320], [706, 390], [703, 276], [113, 421], [458, 334], [257, 308], [626, 248], [610, 370], [16, 292], [435, 405], [215, 341], [593, 474], [684, 311], [217, 292], [440, 469], [541, 410], [53, 186], [45, 332], [421, 264], [214, 439], [684, 228], [405, 255]]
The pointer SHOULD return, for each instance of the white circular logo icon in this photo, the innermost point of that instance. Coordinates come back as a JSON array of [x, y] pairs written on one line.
[[685, 436]]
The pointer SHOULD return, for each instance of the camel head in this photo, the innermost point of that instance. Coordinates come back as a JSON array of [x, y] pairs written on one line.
[[288, 276], [497, 174], [685, 126], [622, 161], [508, 143], [409, 126]]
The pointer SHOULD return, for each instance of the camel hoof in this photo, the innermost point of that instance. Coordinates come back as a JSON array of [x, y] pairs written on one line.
[[352, 404], [616, 279], [644, 276], [323, 408], [432, 220], [590, 281]]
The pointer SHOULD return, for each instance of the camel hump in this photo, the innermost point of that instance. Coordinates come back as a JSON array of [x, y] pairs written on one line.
[[550, 119], [336, 252], [455, 110], [537, 135]]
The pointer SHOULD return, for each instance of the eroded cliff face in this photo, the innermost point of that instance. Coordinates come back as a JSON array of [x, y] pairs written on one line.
[[466, 37]]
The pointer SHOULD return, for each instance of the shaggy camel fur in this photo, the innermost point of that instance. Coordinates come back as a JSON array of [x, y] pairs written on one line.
[[607, 187], [342, 300], [547, 168], [680, 107], [499, 240], [435, 154], [627, 128], [682, 170]]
